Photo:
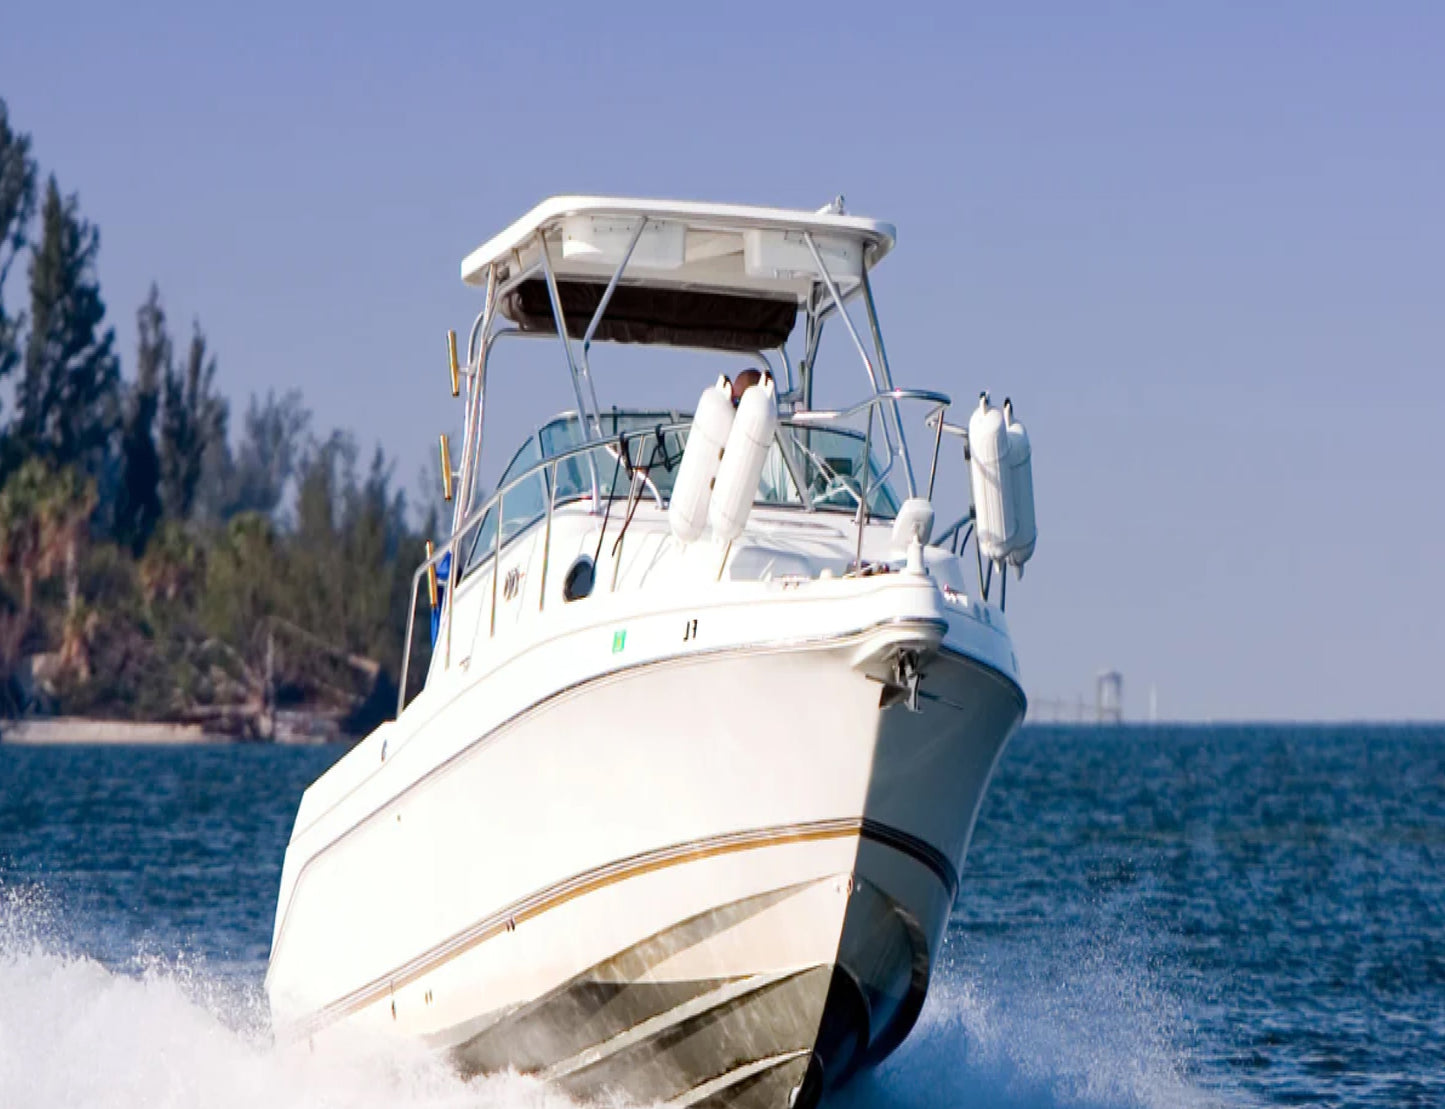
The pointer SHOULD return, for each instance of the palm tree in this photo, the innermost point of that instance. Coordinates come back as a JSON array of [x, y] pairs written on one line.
[[44, 517]]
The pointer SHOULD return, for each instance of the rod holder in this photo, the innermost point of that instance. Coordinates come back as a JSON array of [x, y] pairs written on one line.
[[446, 457], [452, 358], [431, 575]]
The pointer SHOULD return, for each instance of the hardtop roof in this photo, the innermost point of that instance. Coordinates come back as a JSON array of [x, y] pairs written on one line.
[[710, 252]]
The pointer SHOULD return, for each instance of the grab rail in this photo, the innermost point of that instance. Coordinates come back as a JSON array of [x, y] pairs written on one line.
[[618, 448], [940, 401], [456, 543]]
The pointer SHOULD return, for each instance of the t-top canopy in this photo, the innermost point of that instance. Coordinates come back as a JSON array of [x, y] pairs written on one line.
[[720, 248], [656, 316]]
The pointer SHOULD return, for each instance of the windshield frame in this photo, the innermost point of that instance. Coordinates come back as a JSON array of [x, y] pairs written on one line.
[[825, 479], [789, 446]]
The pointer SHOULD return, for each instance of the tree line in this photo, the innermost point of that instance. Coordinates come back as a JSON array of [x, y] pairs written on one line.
[[160, 559]]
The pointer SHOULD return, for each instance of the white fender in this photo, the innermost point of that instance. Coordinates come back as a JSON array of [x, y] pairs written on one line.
[[988, 445], [687, 509], [751, 438], [1020, 483]]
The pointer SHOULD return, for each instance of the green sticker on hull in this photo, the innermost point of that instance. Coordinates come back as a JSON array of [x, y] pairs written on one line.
[[619, 641]]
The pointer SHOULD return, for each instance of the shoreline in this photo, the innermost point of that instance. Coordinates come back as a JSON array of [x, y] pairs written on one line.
[[84, 731], [295, 730], [88, 731]]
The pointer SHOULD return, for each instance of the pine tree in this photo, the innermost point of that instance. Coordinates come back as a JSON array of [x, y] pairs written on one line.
[[193, 418], [270, 443], [254, 477], [138, 507], [68, 395], [17, 205]]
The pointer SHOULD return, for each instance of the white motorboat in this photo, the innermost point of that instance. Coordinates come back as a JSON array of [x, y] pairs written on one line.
[[681, 809]]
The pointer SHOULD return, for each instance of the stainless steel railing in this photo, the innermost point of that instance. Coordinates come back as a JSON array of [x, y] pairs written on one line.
[[620, 450], [940, 401]]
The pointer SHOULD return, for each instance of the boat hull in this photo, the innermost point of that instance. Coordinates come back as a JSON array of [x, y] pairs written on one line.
[[714, 879]]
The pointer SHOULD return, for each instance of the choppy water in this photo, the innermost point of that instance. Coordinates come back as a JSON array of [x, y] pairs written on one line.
[[1149, 917]]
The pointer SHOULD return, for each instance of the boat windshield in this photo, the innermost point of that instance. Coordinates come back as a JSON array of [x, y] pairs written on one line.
[[826, 461]]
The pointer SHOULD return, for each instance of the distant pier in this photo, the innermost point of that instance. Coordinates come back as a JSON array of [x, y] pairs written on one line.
[[1107, 706]]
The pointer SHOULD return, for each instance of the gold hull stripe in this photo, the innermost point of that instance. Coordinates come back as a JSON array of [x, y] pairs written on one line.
[[600, 877], [621, 673], [617, 673]]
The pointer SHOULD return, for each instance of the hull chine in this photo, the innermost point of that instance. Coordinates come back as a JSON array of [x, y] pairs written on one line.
[[757, 945]]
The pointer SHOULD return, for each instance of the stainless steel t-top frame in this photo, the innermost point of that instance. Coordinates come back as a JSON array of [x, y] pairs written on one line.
[[825, 299]]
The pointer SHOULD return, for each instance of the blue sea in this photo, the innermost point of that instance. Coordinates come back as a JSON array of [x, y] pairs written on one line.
[[1154, 916]]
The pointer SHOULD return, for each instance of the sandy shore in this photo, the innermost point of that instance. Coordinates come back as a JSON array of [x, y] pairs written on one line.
[[79, 730]]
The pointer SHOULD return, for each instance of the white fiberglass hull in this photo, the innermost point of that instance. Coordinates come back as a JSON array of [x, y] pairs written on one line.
[[706, 876]]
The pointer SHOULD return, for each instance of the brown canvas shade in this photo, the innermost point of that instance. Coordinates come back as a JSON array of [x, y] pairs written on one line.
[[662, 316]]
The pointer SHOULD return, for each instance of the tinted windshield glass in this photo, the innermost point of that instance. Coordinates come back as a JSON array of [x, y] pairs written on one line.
[[575, 475], [521, 506], [830, 461], [827, 461]]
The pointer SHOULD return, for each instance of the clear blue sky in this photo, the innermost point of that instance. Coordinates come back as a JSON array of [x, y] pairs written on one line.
[[1203, 249]]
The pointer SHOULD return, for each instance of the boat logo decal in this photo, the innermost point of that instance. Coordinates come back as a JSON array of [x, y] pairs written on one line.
[[689, 630], [511, 583], [619, 641]]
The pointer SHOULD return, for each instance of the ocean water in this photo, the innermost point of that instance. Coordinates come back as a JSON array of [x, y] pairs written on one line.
[[1149, 917]]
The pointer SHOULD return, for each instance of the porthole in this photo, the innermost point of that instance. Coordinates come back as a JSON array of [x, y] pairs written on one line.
[[579, 580]]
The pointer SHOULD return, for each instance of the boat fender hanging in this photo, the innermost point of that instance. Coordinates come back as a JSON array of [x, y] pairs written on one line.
[[687, 508], [748, 444], [1021, 484], [988, 445]]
